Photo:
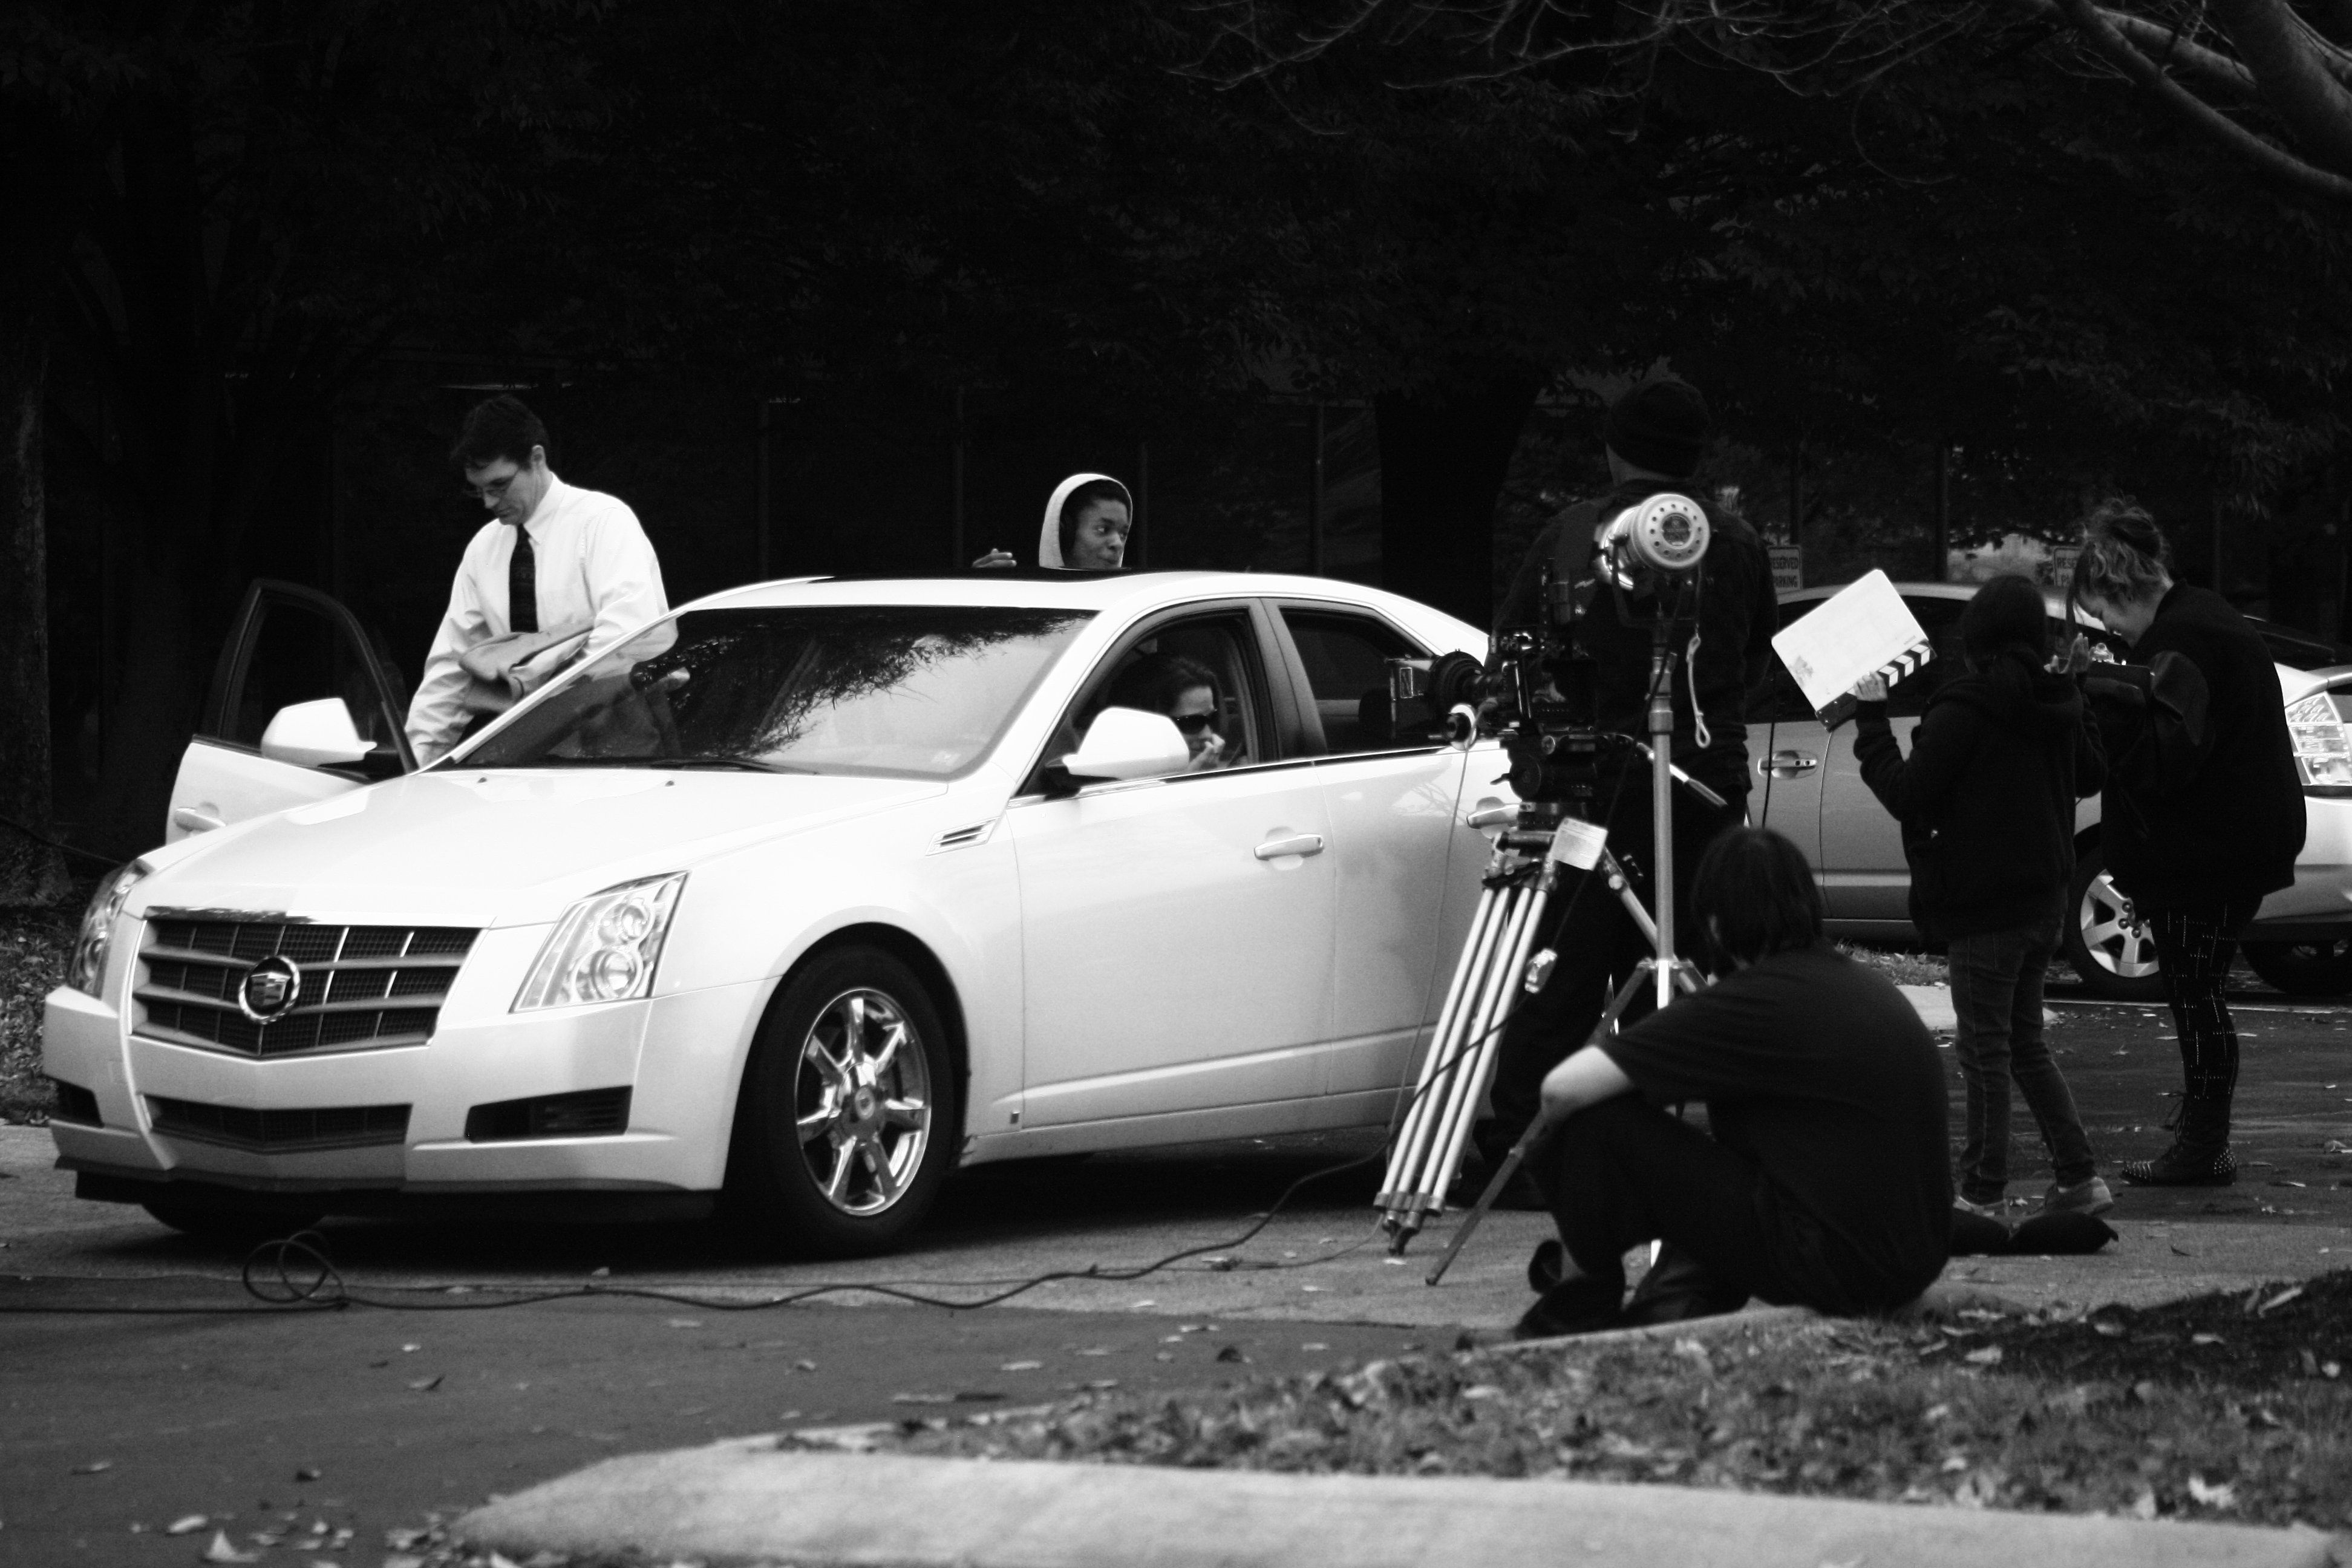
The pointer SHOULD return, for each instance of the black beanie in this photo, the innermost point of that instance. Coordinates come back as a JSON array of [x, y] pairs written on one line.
[[1659, 425]]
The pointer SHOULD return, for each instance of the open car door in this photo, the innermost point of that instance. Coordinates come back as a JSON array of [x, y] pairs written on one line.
[[301, 708]]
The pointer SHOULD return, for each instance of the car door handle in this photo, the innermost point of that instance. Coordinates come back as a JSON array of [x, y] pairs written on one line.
[[1492, 816], [1786, 764], [1298, 844], [195, 821]]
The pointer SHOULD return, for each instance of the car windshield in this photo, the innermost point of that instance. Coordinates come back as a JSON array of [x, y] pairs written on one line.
[[904, 689]]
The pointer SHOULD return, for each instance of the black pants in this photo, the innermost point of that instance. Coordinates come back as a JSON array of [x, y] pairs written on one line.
[[1620, 1173], [2195, 945], [1598, 945]]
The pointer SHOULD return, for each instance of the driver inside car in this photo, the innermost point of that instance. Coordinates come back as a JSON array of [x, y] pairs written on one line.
[[1186, 690]]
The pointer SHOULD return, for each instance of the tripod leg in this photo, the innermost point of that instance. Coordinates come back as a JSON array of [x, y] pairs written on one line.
[[1413, 1136], [1503, 993], [1527, 1139]]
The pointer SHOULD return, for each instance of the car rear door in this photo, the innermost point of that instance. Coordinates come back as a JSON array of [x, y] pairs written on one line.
[[1177, 931], [1786, 744], [288, 644], [1398, 841]]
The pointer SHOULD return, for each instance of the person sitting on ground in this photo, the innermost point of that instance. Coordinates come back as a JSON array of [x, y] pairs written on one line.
[[1186, 690], [1087, 520], [1825, 1183], [1987, 804]]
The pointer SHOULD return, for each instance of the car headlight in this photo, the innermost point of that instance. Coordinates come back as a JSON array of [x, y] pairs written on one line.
[[605, 948], [2323, 751], [86, 972]]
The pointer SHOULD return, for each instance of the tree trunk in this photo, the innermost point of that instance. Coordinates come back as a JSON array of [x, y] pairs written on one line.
[[157, 691], [30, 872], [1443, 460]]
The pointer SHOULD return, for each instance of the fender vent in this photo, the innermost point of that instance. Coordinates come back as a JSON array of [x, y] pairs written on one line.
[[590, 1113], [958, 837], [75, 1105]]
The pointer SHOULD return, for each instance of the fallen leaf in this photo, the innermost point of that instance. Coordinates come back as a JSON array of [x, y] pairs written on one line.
[[2143, 1507], [187, 1524], [1103, 1382], [307, 1474], [685, 1322], [2107, 1329], [1989, 1356], [1096, 1350], [922, 1399], [1021, 1366], [2280, 1299], [2206, 1340], [410, 1350], [96, 1467], [221, 1551], [402, 1560], [1314, 1345], [1232, 1353], [427, 1384], [803, 1366], [2331, 1369], [2310, 1362]]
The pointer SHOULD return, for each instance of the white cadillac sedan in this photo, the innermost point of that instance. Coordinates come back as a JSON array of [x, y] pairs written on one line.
[[798, 897]]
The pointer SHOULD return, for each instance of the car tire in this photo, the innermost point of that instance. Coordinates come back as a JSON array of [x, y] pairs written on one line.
[[2303, 968], [2104, 939], [229, 1226], [848, 1119]]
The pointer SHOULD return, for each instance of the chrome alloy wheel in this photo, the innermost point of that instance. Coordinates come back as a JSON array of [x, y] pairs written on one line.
[[2113, 932], [862, 1101]]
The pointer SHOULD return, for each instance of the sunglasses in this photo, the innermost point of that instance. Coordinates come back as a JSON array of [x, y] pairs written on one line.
[[1194, 723]]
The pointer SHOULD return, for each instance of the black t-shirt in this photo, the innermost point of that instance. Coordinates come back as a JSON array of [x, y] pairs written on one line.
[[1817, 1068]]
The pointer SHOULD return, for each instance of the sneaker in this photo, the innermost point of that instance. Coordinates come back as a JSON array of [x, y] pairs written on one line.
[[1983, 1211], [2084, 1197]]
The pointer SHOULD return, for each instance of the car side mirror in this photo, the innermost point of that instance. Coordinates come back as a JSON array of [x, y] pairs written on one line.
[[1123, 744], [314, 735]]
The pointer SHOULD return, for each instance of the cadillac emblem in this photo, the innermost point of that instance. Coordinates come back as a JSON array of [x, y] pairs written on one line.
[[270, 989]]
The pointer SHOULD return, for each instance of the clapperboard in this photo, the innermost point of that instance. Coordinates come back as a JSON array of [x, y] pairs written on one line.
[[1862, 629]]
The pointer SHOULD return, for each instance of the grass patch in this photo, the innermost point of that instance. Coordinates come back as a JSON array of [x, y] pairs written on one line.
[[33, 946], [2112, 1411]]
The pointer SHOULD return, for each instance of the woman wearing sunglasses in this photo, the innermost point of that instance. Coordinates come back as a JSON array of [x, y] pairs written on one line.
[[1186, 690]]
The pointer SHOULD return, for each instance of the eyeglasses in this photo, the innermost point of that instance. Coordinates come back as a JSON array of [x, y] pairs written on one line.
[[1193, 723], [495, 491]]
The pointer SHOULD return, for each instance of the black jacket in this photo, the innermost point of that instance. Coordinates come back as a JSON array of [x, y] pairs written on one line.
[[2206, 808], [1987, 798], [1738, 616]]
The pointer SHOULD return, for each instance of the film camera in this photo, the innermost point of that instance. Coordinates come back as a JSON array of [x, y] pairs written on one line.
[[1538, 688]]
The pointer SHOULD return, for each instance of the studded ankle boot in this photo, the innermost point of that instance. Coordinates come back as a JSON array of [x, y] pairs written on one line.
[[2200, 1155]]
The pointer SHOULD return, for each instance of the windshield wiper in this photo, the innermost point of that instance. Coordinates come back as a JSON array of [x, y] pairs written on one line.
[[740, 765]]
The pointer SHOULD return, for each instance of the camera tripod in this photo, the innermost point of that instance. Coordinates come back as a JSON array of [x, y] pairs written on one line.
[[1495, 969]]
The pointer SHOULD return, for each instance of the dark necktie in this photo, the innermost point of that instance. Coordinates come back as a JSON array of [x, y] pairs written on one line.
[[523, 584]]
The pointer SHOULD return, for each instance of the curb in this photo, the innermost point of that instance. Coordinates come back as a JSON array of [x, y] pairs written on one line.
[[744, 1499]]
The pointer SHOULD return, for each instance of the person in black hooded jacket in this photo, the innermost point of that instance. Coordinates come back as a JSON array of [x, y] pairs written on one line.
[[1987, 804], [2204, 812]]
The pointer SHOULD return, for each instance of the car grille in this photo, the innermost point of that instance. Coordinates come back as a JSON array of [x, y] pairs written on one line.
[[280, 1132], [363, 988]]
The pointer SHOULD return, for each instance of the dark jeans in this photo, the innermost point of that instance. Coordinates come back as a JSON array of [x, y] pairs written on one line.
[[1598, 945], [1997, 994], [2195, 945]]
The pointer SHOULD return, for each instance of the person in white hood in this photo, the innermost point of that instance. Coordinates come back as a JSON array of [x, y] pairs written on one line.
[[1087, 520]]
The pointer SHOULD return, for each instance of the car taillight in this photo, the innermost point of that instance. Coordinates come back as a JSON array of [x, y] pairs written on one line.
[[2323, 747]]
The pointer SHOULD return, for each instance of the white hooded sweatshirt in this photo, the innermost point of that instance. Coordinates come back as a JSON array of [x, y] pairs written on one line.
[[1049, 538]]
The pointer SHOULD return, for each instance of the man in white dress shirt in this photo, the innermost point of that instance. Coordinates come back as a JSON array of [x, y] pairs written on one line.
[[553, 559]]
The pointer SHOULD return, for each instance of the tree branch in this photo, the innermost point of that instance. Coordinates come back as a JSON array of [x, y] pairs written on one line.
[[2166, 44], [2296, 86], [2274, 161]]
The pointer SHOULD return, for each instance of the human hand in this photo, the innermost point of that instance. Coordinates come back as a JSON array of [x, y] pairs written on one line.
[[1870, 688], [2074, 657], [995, 558], [1211, 755]]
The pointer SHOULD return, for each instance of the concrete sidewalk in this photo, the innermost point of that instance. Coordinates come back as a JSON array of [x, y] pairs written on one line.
[[745, 1499]]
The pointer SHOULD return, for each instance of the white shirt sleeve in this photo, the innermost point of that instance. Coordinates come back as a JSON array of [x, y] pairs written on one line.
[[624, 580], [436, 714]]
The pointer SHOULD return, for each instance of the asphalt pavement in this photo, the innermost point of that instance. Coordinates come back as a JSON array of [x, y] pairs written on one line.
[[119, 1425]]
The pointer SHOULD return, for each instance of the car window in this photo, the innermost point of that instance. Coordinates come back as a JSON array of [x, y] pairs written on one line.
[[919, 690], [299, 654], [1164, 670], [1346, 656]]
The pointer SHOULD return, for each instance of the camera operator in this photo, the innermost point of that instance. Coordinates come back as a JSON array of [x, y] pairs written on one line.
[[1655, 435], [1825, 1182]]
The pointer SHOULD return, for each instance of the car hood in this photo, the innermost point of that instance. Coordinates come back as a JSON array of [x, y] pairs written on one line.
[[500, 847]]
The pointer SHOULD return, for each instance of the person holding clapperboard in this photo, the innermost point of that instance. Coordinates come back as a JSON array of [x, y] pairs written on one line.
[[1987, 804]]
